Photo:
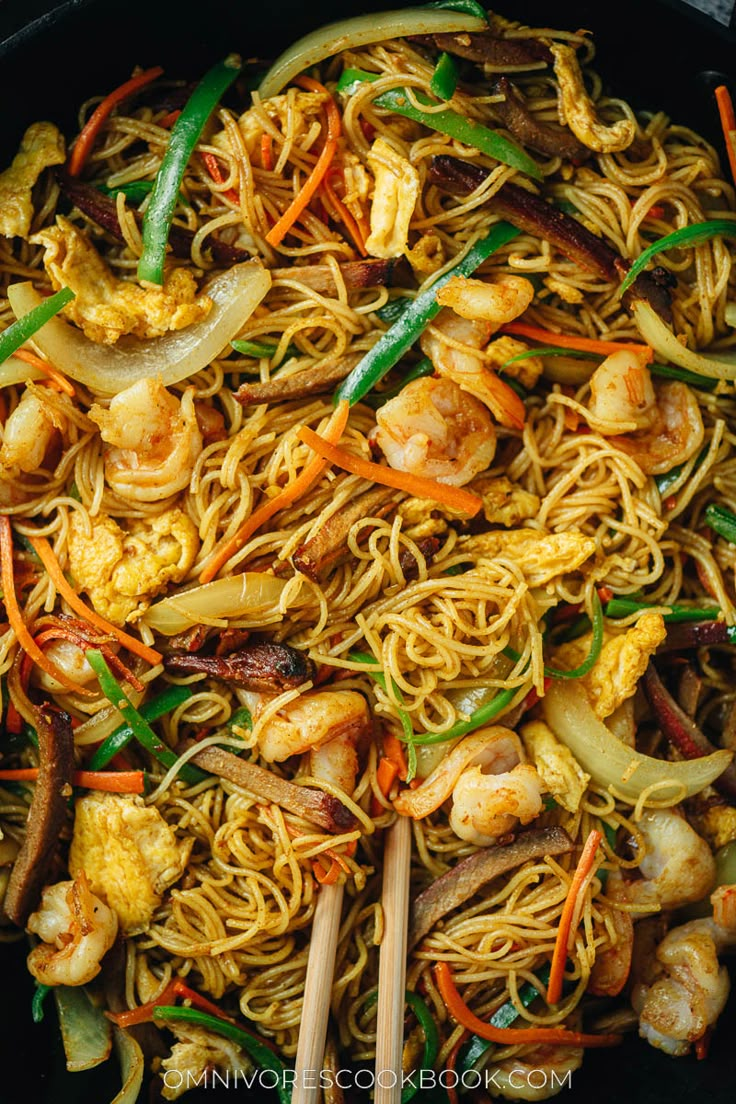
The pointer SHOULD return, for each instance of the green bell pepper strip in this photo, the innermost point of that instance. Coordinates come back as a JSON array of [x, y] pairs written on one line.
[[261, 348], [242, 718], [697, 234], [722, 521], [431, 1040], [407, 728], [669, 371], [469, 7], [22, 329], [39, 996], [142, 731], [397, 340], [152, 710], [185, 134], [623, 607], [422, 368], [392, 310], [444, 78], [262, 1055], [503, 1017], [446, 122]]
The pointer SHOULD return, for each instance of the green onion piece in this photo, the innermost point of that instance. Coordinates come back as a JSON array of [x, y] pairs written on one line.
[[567, 207], [668, 479], [477, 719], [503, 1017], [577, 628], [259, 1052], [142, 731], [444, 78], [404, 718], [679, 239], [185, 134], [514, 385], [610, 834], [260, 348], [669, 371], [241, 718], [39, 996], [431, 1041], [623, 607], [469, 7], [460, 128], [722, 521], [136, 191], [392, 345], [392, 310], [595, 647], [24, 328], [549, 351], [422, 368], [152, 710]]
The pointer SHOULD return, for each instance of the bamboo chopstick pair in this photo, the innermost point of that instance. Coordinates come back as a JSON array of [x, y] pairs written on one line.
[[391, 977]]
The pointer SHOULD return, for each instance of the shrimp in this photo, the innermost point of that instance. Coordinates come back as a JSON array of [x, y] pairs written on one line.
[[662, 423], [326, 725], [30, 431], [155, 439], [69, 658], [435, 430], [611, 968], [456, 340], [684, 990], [678, 867], [76, 930], [537, 1073], [491, 786]]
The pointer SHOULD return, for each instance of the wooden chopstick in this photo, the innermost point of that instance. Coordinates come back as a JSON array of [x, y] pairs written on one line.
[[392, 962], [310, 1050]]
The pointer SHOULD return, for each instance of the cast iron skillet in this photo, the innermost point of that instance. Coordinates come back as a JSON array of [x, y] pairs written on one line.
[[52, 56]]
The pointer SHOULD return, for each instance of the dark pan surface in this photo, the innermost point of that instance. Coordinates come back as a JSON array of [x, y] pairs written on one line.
[[51, 58]]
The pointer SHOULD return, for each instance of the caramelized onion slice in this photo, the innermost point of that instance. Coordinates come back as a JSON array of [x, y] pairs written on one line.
[[216, 603], [110, 369]]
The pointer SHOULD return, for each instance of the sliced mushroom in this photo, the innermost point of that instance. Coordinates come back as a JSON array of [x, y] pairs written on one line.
[[316, 380], [313, 805], [46, 815], [326, 547], [465, 879], [265, 668]]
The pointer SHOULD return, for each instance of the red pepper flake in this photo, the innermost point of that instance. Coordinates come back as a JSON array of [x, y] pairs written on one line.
[[670, 502]]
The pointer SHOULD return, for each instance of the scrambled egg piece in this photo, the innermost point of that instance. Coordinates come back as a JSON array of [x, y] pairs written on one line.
[[622, 662], [129, 854], [196, 1052], [579, 110], [527, 371], [394, 198], [427, 255], [123, 570], [106, 308], [716, 824], [566, 292], [42, 145], [541, 556], [504, 502], [558, 768]]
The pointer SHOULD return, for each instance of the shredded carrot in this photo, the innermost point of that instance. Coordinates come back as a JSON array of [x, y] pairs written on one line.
[[308, 475], [48, 370], [13, 720], [328, 877], [15, 617], [577, 887], [510, 1036], [46, 555], [213, 168], [393, 749], [702, 1045], [386, 773], [130, 782], [334, 129], [88, 135], [728, 123], [170, 119], [416, 485], [267, 152], [175, 988], [450, 1064], [605, 594], [584, 344], [342, 213]]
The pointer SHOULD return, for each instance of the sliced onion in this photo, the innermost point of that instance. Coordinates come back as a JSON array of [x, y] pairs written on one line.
[[108, 369], [132, 1067], [362, 30], [217, 603], [14, 371], [85, 1031], [663, 341], [611, 763]]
